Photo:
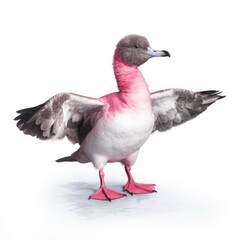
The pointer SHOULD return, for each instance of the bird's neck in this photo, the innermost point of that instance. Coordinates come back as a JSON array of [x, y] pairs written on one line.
[[131, 83]]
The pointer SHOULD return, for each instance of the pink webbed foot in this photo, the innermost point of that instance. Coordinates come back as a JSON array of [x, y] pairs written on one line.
[[103, 193], [137, 188]]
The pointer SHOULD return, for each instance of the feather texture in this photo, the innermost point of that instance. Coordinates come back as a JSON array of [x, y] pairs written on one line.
[[173, 107], [65, 114]]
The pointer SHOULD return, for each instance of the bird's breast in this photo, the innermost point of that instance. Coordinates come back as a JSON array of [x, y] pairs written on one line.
[[118, 135]]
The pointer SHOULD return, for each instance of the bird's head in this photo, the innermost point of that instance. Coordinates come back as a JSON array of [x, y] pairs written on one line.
[[134, 50]]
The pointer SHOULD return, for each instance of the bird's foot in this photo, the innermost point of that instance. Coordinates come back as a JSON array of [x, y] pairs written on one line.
[[139, 188], [103, 193]]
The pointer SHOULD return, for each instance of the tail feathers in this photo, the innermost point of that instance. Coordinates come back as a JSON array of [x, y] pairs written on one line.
[[66, 159]]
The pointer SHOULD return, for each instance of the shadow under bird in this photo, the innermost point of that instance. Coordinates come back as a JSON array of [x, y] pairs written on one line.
[[113, 128]]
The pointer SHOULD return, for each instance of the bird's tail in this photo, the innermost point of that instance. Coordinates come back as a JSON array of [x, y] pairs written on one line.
[[66, 159]]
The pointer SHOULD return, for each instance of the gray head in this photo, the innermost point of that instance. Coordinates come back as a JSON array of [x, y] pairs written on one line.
[[135, 50]]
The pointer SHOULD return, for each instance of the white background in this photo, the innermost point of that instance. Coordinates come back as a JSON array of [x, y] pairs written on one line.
[[48, 47]]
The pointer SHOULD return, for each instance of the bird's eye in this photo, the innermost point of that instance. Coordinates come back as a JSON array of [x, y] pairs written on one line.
[[136, 46]]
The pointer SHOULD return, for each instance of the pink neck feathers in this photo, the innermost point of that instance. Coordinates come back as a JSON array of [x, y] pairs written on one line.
[[132, 86], [129, 78]]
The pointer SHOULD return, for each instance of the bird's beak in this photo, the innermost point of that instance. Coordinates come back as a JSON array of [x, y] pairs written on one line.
[[157, 53]]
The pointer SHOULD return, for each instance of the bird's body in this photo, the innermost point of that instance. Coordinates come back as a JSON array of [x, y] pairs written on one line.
[[113, 128], [125, 124]]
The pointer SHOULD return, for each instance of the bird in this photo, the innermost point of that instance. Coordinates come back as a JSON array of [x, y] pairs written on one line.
[[113, 128]]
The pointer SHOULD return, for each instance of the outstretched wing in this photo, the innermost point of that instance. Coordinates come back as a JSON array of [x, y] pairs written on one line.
[[173, 107], [65, 114]]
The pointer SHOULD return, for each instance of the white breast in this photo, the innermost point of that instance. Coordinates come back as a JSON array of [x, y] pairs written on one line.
[[117, 136]]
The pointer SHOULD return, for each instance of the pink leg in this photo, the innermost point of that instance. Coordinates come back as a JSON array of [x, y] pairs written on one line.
[[138, 188], [103, 193]]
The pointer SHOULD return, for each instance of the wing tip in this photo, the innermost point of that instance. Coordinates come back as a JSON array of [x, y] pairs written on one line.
[[221, 96], [210, 96]]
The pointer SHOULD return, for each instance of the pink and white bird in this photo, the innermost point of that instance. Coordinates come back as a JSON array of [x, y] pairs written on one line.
[[113, 128]]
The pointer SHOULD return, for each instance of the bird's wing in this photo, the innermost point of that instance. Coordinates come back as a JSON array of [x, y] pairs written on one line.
[[173, 107], [65, 114]]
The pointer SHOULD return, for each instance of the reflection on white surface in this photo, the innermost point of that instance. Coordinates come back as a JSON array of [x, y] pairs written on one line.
[[73, 197]]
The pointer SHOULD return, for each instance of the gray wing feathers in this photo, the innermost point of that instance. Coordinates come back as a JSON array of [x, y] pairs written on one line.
[[172, 107], [62, 115]]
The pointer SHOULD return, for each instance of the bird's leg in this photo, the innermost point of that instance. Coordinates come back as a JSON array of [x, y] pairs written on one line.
[[103, 193], [136, 188]]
